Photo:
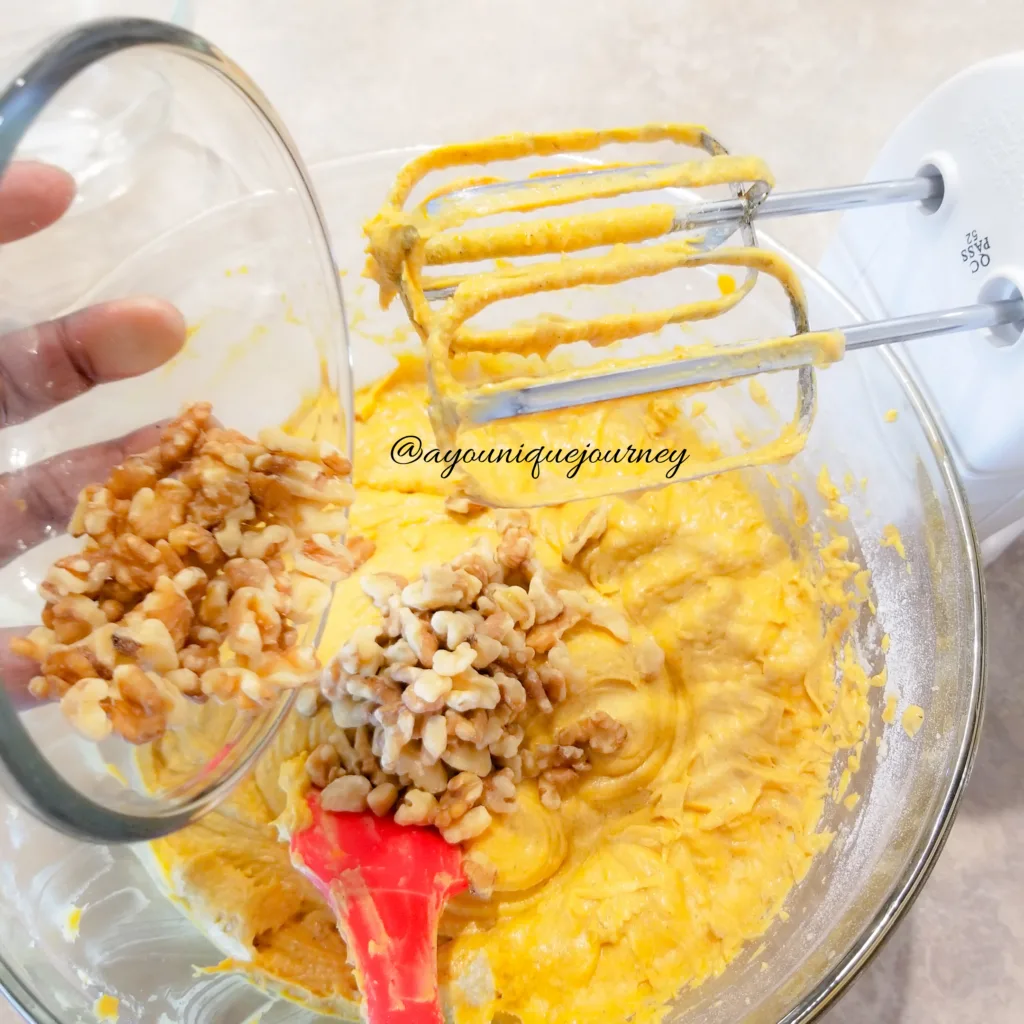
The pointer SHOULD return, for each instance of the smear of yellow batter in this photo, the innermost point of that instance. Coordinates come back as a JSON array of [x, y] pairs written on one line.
[[891, 539], [107, 1008], [676, 851], [913, 719], [72, 923], [889, 713]]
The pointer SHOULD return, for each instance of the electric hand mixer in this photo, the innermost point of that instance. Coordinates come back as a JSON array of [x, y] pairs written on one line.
[[946, 246]]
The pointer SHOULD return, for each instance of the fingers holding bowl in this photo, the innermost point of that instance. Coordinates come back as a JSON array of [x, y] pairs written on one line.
[[32, 197], [36, 503], [53, 362]]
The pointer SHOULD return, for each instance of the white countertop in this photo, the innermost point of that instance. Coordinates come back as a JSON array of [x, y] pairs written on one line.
[[815, 88]]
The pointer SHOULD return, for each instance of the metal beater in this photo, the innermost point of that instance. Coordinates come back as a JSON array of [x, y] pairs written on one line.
[[612, 242]]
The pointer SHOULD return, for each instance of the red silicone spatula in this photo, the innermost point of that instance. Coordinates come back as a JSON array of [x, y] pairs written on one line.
[[387, 884]]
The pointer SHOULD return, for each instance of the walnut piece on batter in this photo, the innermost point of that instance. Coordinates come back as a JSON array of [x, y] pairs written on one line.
[[198, 560], [444, 680]]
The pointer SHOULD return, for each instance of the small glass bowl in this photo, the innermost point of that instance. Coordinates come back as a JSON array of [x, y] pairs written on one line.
[[213, 213]]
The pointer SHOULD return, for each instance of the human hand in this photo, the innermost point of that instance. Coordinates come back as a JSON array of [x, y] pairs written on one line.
[[53, 362]]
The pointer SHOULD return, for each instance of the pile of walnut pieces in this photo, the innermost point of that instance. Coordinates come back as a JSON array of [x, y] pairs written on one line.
[[430, 699], [200, 559]]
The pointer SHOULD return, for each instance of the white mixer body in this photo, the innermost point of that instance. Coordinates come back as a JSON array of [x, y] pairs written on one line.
[[893, 261]]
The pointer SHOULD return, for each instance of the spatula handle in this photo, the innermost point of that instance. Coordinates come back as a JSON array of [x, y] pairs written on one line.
[[391, 938]]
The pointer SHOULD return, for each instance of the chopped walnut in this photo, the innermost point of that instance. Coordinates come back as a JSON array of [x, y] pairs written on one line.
[[552, 755], [609, 618], [551, 784], [308, 598], [553, 682], [192, 539], [430, 688], [443, 677], [96, 514], [481, 875], [453, 663], [419, 636], [82, 704], [229, 535], [75, 617], [136, 472], [500, 792], [472, 690], [515, 547], [381, 587], [140, 705], [453, 628], [36, 645], [464, 792], [487, 650], [362, 655], [434, 738], [650, 658], [465, 757], [307, 701], [253, 622], [598, 731], [187, 682], [167, 603], [382, 798], [431, 778], [416, 808], [469, 826], [182, 559], [514, 602], [323, 764], [461, 504], [546, 603], [480, 561], [346, 793], [556, 768], [155, 511], [442, 587], [324, 559], [534, 689], [349, 713], [590, 528], [544, 636]]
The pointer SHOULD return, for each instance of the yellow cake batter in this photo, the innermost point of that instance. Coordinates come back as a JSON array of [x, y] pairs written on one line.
[[676, 850]]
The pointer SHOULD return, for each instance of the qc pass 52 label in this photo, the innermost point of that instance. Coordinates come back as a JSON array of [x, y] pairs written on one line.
[[976, 253]]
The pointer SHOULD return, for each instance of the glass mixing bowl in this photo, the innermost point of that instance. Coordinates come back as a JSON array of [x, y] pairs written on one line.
[[218, 219], [133, 943], [97, 130]]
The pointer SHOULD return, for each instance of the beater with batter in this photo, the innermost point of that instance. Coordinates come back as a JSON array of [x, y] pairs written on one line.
[[633, 242]]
